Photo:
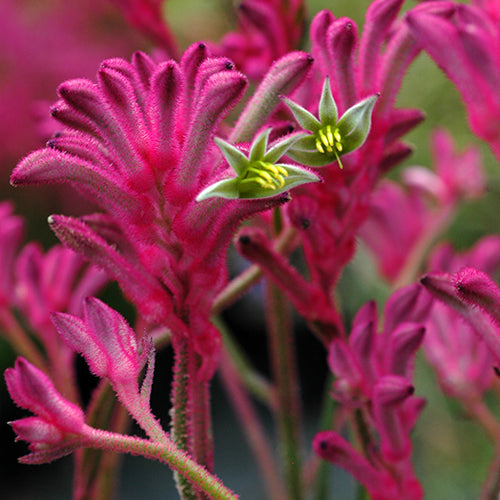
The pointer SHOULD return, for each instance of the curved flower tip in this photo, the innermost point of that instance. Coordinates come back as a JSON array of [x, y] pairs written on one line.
[[330, 136], [58, 423], [258, 175], [31, 389]]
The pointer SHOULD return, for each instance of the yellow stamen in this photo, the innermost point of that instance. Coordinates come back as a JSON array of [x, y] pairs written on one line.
[[329, 140], [261, 173], [265, 174], [319, 147], [281, 170]]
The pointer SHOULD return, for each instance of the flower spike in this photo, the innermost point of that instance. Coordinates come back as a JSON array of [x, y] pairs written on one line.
[[330, 136], [257, 176]]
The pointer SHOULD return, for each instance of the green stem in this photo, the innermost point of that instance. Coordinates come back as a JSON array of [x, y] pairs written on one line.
[[284, 244], [251, 426], [179, 413], [97, 474], [258, 386], [201, 444], [193, 473], [283, 361], [320, 480]]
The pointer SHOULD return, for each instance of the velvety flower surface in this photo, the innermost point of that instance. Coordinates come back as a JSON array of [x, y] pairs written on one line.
[[464, 352]]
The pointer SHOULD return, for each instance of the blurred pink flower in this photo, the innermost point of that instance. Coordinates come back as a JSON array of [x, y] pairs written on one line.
[[462, 360], [56, 40], [373, 374], [267, 30], [464, 41], [404, 220]]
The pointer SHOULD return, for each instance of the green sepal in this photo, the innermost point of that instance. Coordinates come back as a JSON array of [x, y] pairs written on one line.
[[328, 112], [281, 147], [227, 188], [304, 118], [259, 145], [304, 151], [234, 156], [312, 158], [354, 125]]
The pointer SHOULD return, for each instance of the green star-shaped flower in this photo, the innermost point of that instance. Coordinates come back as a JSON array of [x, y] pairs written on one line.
[[258, 175], [330, 137]]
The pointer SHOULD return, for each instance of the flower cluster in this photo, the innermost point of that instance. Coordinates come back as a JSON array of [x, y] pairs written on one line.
[[140, 143], [373, 374], [464, 41], [176, 155]]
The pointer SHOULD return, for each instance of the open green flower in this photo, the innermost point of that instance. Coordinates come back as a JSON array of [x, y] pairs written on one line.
[[258, 175], [330, 137]]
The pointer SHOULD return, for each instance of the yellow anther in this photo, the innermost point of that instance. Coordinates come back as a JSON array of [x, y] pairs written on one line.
[[265, 174], [329, 140], [281, 170], [329, 134], [324, 140], [260, 173]]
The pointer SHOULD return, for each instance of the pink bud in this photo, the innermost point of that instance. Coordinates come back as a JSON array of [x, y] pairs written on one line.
[[31, 389], [335, 449], [37, 431], [388, 394], [104, 339], [403, 344], [476, 287]]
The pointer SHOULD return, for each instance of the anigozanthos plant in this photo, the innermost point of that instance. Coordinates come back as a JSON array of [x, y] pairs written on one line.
[[330, 137], [258, 175]]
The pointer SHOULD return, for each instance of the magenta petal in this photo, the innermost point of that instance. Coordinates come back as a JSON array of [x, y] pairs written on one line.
[[335, 449], [379, 17], [403, 344], [163, 102], [341, 40], [116, 339], [141, 287]]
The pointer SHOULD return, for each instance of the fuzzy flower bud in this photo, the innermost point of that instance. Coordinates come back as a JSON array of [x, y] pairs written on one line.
[[31, 389], [104, 338]]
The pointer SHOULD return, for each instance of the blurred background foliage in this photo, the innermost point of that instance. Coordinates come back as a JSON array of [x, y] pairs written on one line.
[[451, 453]]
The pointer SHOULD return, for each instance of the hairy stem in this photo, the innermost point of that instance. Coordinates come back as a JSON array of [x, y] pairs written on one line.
[[179, 413], [282, 353], [193, 473], [251, 425]]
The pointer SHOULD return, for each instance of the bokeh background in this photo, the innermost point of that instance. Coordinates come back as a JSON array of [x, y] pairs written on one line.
[[43, 42]]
